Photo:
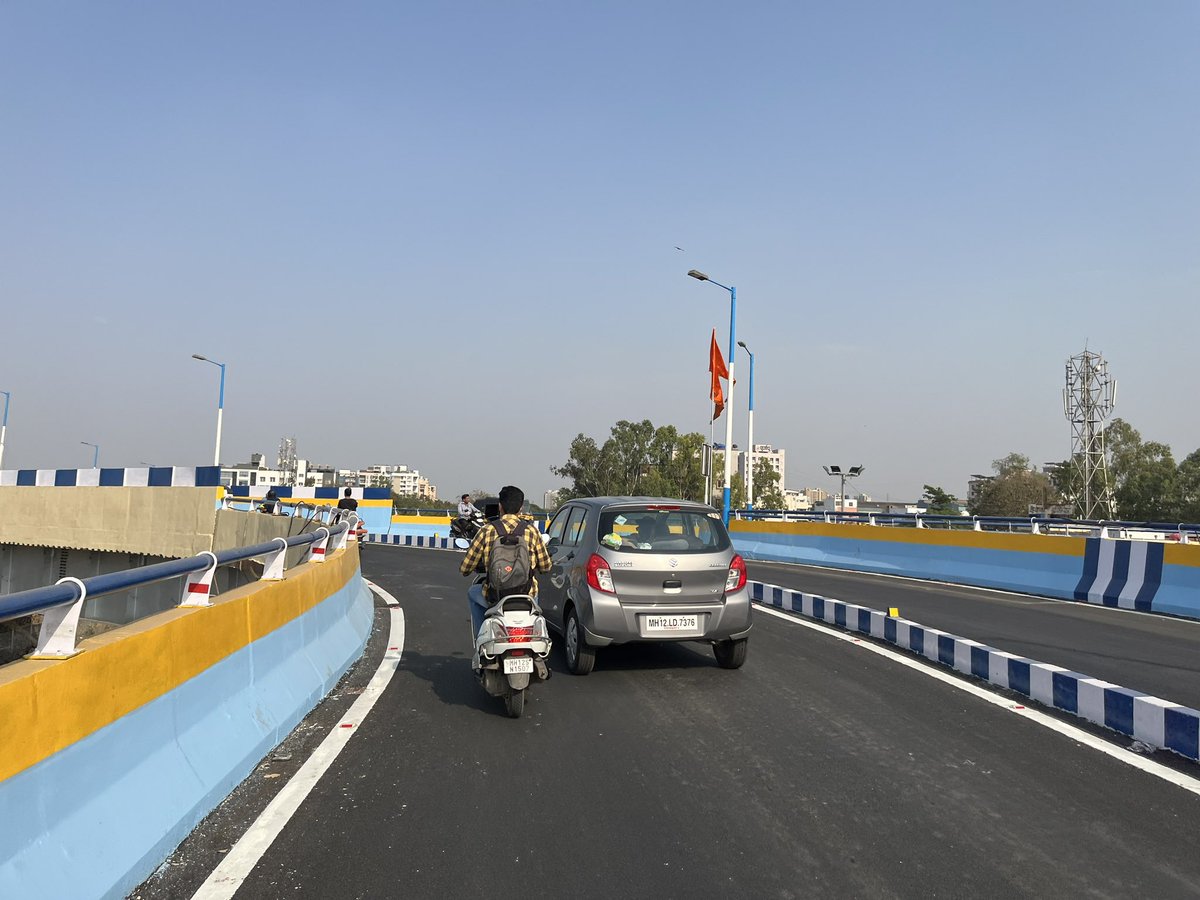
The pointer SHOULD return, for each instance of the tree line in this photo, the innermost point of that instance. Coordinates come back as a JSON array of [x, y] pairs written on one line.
[[1148, 485], [640, 459]]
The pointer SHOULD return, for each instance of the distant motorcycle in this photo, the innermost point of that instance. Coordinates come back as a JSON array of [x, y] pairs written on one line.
[[467, 528]]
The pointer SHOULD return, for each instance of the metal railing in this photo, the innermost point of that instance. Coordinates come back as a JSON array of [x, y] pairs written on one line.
[[62, 603], [1179, 532], [326, 514]]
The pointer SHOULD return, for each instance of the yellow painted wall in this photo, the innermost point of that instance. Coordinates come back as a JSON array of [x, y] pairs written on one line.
[[47, 705]]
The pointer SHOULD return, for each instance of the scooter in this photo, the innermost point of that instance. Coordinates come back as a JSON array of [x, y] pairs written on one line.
[[512, 646]]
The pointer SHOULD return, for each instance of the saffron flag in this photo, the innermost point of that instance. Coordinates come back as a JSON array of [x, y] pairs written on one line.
[[716, 365]]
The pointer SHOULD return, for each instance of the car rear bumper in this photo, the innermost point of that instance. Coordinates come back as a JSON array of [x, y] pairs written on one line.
[[606, 619]]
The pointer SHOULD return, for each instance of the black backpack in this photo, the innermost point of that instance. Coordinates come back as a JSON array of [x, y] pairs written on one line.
[[510, 566]]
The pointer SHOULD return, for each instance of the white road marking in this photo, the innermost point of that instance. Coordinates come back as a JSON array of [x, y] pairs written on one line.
[[1187, 782], [383, 595], [930, 585], [237, 865]]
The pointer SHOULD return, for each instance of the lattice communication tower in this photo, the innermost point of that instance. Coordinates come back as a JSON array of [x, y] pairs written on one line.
[[1088, 400], [287, 460]]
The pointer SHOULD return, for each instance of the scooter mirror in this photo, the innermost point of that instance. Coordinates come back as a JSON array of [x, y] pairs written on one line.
[[462, 543]]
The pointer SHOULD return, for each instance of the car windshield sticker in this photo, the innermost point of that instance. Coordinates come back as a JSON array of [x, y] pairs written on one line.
[[620, 520]]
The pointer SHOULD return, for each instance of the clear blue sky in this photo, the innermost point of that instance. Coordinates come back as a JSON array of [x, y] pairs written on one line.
[[382, 216]]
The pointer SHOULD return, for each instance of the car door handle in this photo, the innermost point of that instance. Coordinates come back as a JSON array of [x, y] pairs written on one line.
[[672, 583], [570, 555]]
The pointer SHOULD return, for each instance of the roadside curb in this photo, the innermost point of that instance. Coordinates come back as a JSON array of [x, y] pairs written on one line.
[[1159, 723], [410, 540]]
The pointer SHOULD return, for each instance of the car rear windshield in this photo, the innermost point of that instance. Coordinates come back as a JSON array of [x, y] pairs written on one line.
[[662, 531]]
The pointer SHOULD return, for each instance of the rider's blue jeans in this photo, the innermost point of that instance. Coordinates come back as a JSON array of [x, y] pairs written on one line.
[[479, 605]]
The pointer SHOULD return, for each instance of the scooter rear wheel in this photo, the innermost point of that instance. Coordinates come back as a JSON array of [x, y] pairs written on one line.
[[514, 704]]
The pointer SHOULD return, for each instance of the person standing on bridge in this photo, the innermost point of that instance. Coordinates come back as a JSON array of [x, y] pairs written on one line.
[[480, 596]]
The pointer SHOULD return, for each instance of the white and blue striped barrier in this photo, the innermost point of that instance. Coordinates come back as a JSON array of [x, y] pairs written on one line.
[[1159, 723], [1126, 574], [410, 540], [152, 476]]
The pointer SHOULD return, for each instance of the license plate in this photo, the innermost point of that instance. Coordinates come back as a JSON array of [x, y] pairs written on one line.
[[669, 624], [515, 665]]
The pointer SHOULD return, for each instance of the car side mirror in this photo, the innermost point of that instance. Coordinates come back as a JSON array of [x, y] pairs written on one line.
[[552, 544]]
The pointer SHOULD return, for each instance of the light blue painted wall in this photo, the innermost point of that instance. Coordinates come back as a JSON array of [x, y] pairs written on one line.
[[99, 816]]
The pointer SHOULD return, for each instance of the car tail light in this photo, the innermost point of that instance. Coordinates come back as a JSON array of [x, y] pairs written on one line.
[[519, 635], [737, 574], [599, 575]]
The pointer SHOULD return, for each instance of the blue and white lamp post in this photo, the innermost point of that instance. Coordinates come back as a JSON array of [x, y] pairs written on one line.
[[95, 453], [750, 434], [4, 425], [220, 403], [700, 276]]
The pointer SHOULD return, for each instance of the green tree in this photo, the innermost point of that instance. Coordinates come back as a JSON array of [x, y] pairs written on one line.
[[1013, 463], [938, 502], [1013, 494], [636, 459], [1014, 489], [1187, 488], [1143, 475], [412, 501], [767, 493]]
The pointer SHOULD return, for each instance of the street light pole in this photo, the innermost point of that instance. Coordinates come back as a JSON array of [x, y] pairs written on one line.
[[700, 276], [4, 425], [95, 453], [220, 404], [750, 434]]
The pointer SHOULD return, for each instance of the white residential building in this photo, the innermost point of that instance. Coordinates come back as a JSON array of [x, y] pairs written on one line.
[[776, 456]]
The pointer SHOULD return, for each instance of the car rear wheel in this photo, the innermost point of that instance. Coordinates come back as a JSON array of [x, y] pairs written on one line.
[[580, 657], [730, 654]]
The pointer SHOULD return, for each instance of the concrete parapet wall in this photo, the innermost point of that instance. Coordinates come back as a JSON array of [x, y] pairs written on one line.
[[165, 521], [111, 757], [1146, 576]]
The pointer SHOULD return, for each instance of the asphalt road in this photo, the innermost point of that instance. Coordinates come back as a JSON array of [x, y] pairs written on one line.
[[1155, 654], [817, 770]]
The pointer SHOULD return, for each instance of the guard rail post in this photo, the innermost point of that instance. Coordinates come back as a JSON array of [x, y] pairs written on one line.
[[197, 586], [56, 640], [273, 561], [316, 550]]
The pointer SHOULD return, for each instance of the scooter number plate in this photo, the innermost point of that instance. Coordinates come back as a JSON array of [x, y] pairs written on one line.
[[516, 665]]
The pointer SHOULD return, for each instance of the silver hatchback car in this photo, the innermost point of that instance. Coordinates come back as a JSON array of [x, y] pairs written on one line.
[[643, 569]]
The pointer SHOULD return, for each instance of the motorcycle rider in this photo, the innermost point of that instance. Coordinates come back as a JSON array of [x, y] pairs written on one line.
[[466, 508], [480, 596]]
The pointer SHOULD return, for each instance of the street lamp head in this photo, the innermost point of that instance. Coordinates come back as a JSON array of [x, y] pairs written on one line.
[[832, 470], [199, 357], [698, 275], [855, 471]]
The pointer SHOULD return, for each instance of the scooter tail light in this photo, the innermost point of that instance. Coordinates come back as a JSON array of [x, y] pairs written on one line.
[[737, 574], [599, 575], [519, 634]]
